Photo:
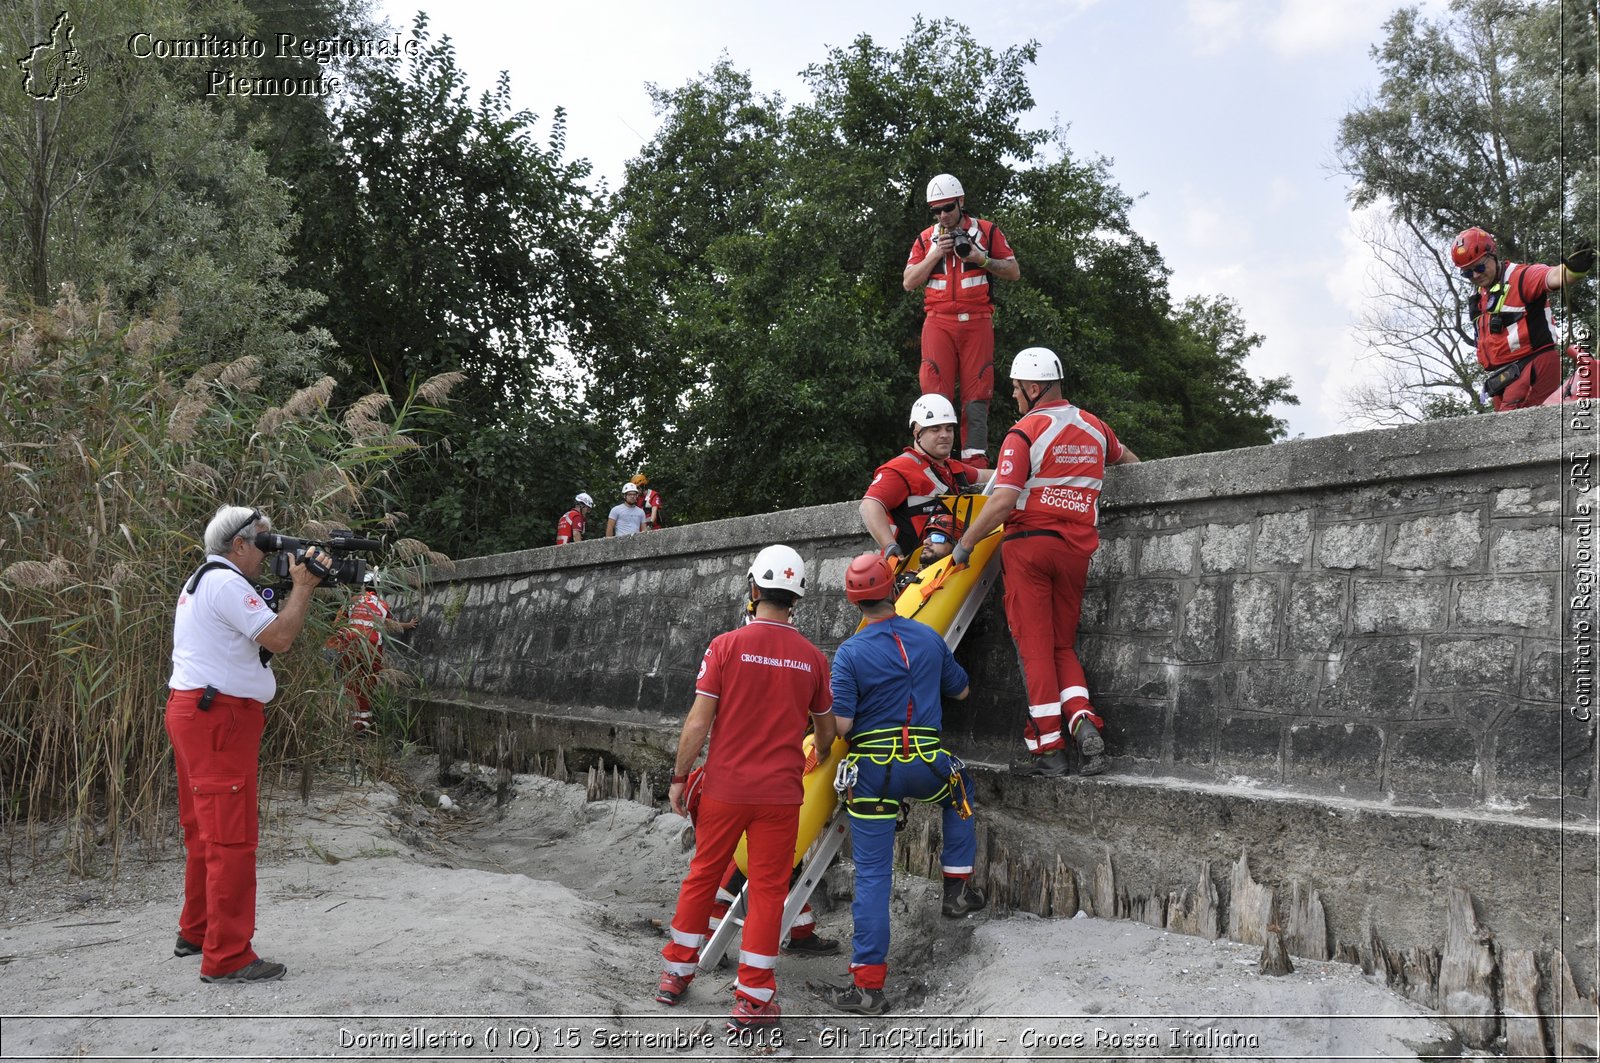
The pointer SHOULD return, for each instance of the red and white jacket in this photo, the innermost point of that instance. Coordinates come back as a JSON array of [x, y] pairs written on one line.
[[957, 286], [571, 521], [1056, 457], [365, 617], [1512, 317]]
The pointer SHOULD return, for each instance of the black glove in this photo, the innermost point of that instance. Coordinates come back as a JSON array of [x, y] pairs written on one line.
[[960, 555], [893, 550], [1581, 261]]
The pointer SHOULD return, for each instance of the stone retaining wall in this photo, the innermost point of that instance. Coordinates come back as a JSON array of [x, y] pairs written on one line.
[[1358, 669]]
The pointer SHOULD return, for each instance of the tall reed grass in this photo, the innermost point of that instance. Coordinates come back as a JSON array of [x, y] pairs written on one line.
[[114, 452]]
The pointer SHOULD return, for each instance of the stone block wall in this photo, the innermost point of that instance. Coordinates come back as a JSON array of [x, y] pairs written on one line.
[[1380, 615]]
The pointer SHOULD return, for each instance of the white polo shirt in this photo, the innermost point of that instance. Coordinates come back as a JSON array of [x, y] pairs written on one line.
[[213, 636]]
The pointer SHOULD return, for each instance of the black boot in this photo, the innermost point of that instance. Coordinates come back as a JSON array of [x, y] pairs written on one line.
[[961, 897], [1050, 765]]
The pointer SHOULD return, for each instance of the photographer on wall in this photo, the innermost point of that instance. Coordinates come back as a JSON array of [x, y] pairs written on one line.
[[954, 260], [223, 637]]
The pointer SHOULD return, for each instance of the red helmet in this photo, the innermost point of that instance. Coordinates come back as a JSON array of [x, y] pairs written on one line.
[[1471, 245], [870, 578], [942, 522]]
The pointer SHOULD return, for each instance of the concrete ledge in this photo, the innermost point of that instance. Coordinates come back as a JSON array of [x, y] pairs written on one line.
[[1382, 871]]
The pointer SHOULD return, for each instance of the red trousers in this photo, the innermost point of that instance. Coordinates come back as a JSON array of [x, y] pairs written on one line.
[[956, 355], [217, 753], [1538, 381], [360, 659], [1044, 594], [771, 832]]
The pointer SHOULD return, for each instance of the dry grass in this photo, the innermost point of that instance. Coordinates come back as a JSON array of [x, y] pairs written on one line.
[[116, 452]]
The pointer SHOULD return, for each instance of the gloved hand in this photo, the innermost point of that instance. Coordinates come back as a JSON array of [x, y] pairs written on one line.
[[960, 555], [893, 550], [1581, 260]]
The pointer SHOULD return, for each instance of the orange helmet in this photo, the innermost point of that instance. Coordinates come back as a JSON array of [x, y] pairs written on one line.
[[1471, 245], [640, 480], [870, 578]]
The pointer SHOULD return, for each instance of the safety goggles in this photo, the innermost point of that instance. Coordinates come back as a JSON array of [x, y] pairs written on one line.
[[1472, 271], [934, 538]]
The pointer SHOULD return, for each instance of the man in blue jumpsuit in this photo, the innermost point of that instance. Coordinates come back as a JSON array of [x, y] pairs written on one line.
[[888, 680]]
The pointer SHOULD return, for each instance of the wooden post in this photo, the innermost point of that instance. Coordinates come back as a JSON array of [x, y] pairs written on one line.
[[1466, 974]]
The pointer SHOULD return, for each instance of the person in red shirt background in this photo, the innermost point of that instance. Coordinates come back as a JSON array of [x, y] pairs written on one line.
[[573, 522], [905, 490], [358, 646], [758, 684], [1511, 317], [650, 500], [953, 260], [1046, 491]]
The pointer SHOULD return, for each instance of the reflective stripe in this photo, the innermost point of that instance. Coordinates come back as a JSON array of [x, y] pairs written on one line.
[[363, 623], [683, 970], [1049, 708], [1044, 740], [1072, 724], [937, 285], [948, 870], [973, 282], [686, 939], [757, 959], [1069, 693], [752, 992], [805, 918], [724, 896]]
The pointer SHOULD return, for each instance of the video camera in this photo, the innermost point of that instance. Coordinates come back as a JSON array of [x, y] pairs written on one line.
[[343, 569]]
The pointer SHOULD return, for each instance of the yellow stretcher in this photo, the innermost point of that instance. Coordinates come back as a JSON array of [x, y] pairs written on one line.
[[944, 598]]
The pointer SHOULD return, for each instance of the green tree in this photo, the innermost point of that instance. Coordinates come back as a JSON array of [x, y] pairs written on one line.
[[1485, 116], [128, 180], [444, 236], [761, 249]]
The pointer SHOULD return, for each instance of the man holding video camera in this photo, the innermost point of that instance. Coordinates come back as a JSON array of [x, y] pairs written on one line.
[[223, 638]]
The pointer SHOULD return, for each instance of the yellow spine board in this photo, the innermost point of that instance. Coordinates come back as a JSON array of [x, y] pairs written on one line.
[[818, 807]]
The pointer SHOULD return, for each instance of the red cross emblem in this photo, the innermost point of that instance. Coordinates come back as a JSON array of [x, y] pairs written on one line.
[[788, 573]]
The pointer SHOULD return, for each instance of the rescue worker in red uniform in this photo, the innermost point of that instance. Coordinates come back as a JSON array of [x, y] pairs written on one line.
[[955, 260], [1511, 317], [358, 647], [573, 522], [759, 684], [650, 500], [1046, 491], [889, 682], [223, 639], [905, 490]]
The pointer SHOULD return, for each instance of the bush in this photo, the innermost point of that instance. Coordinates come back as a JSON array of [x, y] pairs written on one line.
[[114, 452]]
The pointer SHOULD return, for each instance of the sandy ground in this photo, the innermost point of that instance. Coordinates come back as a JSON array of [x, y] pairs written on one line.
[[531, 931]]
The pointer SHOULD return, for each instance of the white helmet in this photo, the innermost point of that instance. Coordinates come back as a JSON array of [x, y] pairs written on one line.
[[583, 499], [779, 568], [1036, 363], [944, 187], [630, 488], [932, 410]]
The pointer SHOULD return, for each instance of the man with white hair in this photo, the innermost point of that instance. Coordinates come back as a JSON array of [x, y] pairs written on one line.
[[223, 639]]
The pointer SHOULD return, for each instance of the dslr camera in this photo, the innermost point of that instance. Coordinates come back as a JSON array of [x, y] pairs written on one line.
[[963, 243], [342, 568]]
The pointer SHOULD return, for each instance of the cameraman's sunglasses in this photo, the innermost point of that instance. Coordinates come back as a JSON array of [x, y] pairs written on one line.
[[1473, 271], [937, 211], [255, 515]]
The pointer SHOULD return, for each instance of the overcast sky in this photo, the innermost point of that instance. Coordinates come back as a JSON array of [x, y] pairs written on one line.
[[1219, 115]]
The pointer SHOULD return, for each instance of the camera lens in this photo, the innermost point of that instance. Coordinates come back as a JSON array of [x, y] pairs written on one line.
[[963, 247]]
